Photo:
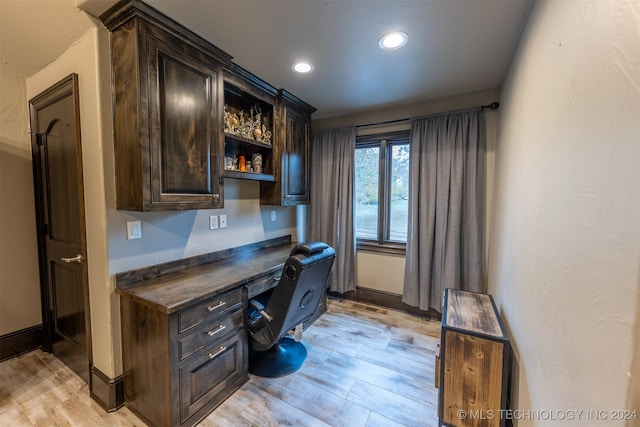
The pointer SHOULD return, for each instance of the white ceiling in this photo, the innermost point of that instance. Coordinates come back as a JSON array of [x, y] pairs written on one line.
[[455, 46], [35, 32]]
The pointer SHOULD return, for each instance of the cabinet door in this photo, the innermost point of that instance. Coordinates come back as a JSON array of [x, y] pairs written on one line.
[[295, 158], [213, 376], [184, 133]]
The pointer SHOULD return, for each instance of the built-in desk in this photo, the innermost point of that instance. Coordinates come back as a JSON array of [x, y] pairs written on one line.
[[184, 340]]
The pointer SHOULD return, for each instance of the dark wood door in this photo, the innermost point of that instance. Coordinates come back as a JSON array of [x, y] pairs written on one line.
[[185, 132], [57, 162], [295, 168]]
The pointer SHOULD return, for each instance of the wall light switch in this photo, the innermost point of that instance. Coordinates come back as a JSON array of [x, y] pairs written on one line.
[[273, 215], [223, 221], [213, 222], [134, 230]]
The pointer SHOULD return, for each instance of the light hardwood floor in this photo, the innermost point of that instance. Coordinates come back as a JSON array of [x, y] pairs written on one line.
[[366, 366]]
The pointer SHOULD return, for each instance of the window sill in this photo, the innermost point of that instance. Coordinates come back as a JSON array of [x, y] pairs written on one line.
[[388, 248]]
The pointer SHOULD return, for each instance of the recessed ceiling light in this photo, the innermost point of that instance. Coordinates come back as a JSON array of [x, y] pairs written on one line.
[[393, 40], [302, 67]]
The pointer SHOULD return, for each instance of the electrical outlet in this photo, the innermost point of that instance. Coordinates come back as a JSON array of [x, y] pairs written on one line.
[[213, 222], [134, 230], [273, 215], [223, 221]]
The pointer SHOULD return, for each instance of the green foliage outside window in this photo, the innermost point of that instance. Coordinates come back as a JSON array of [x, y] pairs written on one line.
[[369, 178]]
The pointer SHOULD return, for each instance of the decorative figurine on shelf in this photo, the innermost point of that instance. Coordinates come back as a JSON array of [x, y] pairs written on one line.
[[256, 158], [246, 126], [250, 126], [231, 121], [256, 119]]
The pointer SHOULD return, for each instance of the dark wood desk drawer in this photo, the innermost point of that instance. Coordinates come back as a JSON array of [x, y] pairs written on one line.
[[210, 378], [262, 284], [210, 332], [208, 309]]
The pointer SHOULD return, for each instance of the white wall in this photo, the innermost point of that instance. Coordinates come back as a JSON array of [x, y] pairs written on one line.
[[380, 272], [19, 278], [386, 272], [168, 236], [565, 245]]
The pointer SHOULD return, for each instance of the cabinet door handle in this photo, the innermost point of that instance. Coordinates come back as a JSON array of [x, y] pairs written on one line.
[[77, 259], [216, 198], [220, 328], [217, 306], [221, 350]]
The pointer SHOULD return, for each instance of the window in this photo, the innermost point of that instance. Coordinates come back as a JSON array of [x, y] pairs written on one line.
[[382, 192]]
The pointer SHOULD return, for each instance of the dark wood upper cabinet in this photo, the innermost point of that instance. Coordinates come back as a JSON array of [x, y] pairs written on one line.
[[167, 88], [172, 91], [292, 149]]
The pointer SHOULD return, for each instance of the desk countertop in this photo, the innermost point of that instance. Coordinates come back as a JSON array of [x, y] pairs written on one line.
[[176, 290]]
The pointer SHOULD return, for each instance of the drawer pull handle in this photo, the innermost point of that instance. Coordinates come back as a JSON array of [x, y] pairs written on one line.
[[221, 350], [217, 306], [215, 331]]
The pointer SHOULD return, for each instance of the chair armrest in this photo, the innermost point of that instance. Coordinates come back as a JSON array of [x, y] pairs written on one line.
[[260, 309]]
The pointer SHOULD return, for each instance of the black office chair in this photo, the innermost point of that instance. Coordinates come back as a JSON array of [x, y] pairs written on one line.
[[293, 301]]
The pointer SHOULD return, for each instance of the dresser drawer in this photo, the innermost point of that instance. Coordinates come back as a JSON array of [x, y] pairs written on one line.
[[210, 332], [208, 309], [209, 379]]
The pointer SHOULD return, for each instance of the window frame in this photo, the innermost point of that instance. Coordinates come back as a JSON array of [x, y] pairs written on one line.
[[385, 141]]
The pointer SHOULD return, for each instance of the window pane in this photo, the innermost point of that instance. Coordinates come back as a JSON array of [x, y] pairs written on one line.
[[399, 198], [366, 188]]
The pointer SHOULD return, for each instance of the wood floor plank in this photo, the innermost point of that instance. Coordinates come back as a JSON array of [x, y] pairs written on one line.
[[391, 317], [279, 413], [407, 366], [230, 413], [408, 350], [319, 403], [331, 342], [13, 416], [417, 389], [377, 420], [393, 406], [327, 377], [374, 335]]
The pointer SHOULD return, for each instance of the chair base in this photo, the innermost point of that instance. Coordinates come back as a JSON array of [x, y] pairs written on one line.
[[285, 357]]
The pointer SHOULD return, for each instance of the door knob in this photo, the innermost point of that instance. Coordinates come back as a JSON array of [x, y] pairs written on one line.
[[76, 259]]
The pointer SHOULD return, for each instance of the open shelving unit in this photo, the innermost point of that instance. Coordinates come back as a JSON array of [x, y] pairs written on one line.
[[248, 130]]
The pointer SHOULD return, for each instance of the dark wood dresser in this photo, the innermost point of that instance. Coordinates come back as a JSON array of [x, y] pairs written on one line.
[[184, 341], [474, 361]]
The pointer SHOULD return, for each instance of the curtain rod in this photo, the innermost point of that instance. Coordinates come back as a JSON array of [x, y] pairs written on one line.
[[493, 106]]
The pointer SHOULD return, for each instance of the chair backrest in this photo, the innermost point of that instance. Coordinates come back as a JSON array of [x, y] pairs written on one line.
[[301, 288]]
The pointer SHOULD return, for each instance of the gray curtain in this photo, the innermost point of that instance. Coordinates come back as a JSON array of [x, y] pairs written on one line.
[[331, 218], [445, 247]]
